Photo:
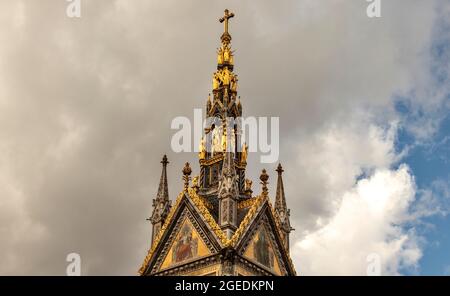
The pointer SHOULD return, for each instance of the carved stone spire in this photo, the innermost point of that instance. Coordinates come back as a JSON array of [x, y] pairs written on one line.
[[163, 189], [227, 181], [281, 208], [161, 204], [222, 107], [228, 195], [280, 199]]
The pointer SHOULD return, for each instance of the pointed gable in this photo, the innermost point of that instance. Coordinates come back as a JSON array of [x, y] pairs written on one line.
[[187, 245], [188, 205], [259, 232], [262, 249]]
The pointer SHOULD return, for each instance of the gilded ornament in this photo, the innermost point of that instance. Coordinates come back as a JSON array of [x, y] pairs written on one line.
[[244, 153], [202, 149]]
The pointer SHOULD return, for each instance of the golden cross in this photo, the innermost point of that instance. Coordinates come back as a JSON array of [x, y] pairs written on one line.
[[225, 19]]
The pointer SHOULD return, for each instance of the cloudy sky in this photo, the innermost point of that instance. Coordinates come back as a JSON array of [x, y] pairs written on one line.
[[86, 106]]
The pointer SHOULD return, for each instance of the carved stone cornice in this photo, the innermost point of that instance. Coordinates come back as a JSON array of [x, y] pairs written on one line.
[[197, 264], [252, 267]]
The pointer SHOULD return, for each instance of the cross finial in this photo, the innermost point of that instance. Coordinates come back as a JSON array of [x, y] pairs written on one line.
[[225, 19]]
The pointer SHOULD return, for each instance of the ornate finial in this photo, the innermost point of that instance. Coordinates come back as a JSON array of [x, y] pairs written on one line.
[[164, 161], [264, 177], [280, 198], [279, 169], [186, 175], [226, 37]]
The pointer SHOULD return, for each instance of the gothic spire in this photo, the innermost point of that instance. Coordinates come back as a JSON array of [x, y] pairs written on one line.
[[224, 78], [281, 208], [280, 199], [161, 204], [228, 196], [224, 106], [163, 189]]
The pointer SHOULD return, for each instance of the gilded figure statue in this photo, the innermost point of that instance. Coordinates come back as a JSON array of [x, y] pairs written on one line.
[[226, 54], [244, 154], [224, 140], [248, 185], [216, 80], [202, 149], [220, 56], [215, 141], [234, 82], [226, 76]]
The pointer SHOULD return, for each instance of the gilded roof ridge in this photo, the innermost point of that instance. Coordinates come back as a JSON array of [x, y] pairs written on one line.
[[246, 203], [200, 204], [259, 200]]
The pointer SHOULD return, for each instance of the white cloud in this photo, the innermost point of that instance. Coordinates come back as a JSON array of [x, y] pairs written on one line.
[[351, 197], [329, 161], [369, 220], [362, 206]]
